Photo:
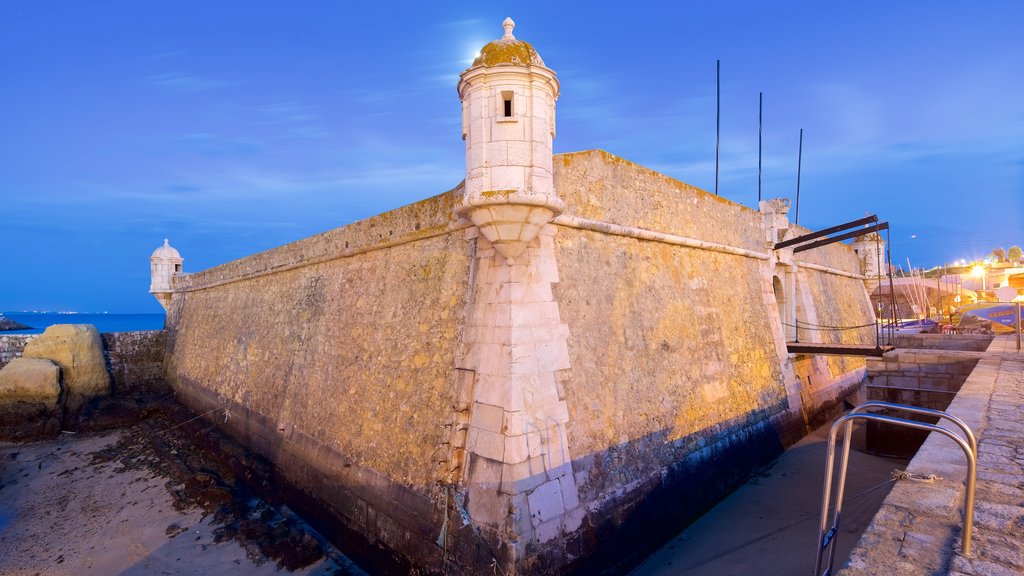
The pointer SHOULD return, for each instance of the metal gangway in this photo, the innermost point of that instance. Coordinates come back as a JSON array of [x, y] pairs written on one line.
[[967, 442]]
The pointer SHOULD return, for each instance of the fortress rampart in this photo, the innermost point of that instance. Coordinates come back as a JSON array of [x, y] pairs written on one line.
[[610, 382]]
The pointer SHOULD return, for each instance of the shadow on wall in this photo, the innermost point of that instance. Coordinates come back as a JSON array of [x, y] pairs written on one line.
[[648, 505], [701, 469]]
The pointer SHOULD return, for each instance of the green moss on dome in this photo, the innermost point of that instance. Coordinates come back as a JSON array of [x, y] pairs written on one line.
[[508, 52]]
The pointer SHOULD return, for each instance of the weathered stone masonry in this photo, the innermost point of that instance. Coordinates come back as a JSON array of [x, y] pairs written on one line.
[[549, 367], [398, 364]]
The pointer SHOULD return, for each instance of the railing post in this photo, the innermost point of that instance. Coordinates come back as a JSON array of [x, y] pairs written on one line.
[[1018, 326]]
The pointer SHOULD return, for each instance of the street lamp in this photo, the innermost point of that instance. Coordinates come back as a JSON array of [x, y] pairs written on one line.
[[979, 272]]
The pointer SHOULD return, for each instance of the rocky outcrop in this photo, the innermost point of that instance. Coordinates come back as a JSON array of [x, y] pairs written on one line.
[[8, 324], [78, 350], [30, 394]]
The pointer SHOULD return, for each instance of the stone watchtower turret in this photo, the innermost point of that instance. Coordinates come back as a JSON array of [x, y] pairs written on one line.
[[870, 248], [163, 264], [508, 122]]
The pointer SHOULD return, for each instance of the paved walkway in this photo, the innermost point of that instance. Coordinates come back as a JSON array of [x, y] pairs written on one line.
[[917, 531], [769, 526]]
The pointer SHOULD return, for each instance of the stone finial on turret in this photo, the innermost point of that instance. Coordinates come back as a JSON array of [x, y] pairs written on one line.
[[163, 265], [508, 122]]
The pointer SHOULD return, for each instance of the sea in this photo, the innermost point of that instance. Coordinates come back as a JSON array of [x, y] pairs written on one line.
[[103, 322]]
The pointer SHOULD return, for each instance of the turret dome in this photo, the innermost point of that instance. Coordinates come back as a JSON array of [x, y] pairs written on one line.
[[165, 251], [508, 50]]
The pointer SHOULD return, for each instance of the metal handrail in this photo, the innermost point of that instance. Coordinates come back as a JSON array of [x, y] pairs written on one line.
[[826, 537], [919, 410]]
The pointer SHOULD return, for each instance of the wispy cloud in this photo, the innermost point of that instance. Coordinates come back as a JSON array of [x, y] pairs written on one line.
[[293, 119], [185, 83]]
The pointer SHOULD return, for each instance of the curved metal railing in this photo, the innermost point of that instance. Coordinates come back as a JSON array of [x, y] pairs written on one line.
[[968, 443]]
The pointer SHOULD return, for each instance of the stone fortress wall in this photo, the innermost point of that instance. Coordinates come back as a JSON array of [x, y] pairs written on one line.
[[454, 406]]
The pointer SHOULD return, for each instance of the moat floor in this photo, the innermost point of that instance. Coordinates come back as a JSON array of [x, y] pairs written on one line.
[[769, 526], [140, 501]]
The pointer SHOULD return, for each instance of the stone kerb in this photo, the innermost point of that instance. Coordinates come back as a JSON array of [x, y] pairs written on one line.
[[918, 528]]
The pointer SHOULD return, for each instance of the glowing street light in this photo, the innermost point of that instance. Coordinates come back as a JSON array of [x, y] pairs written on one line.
[[978, 271]]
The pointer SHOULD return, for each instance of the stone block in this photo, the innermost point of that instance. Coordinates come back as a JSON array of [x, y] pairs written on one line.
[[553, 356], [499, 390], [508, 178], [527, 314], [573, 519], [538, 292], [523, 476], [519, 152], [546, 531], [903, 381], [487, 444], [78, 350], [486, 505], [558, 448], [516, 423], [492, 359], [546, 502], [517, 449], [570, 494], [487, 417]]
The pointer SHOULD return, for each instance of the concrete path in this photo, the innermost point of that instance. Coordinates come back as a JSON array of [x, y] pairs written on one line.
[[769, 526]]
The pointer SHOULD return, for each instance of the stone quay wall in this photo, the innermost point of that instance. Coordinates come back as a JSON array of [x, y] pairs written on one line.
[[919, 528], [971, 342], [136, 361], [543, 414], [12, 345], [924, 378], [928, 379]]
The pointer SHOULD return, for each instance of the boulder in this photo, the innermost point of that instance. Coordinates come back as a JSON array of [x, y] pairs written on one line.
[[32, 380], [78, 350], [29, 398]]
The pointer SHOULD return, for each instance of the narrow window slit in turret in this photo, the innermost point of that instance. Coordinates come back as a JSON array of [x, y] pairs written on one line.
[[506, 97]]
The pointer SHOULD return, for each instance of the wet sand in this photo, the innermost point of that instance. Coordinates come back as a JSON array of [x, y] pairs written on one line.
[[144, 500]]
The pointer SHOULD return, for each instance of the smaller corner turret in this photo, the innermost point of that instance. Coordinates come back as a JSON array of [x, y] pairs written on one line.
[[508, 122], [163, 265], [774, 213], [870, 249]]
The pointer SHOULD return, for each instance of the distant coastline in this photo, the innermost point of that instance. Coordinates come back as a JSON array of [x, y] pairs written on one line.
[[38, 321], [6, 324]]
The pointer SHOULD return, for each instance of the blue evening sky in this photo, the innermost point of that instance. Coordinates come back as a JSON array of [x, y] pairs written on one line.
[[232, 127]]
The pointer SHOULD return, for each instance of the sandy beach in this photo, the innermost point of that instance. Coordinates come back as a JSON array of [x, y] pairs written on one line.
[[144, 500]]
